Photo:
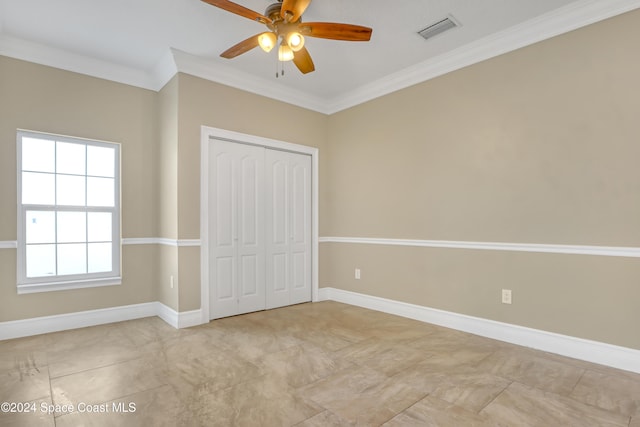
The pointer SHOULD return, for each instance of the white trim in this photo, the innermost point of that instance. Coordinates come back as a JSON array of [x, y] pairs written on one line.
[[13, 244], [177, 319], [166, 242], [140, 241], [81, 319], [315, 224], [168, 314], [578, 348], [562, 20], [204, 224], [32, 288], [160, 241], [9, 244], [206, 134], [213, 70], [188, 242], [25, 50], [616, 251]]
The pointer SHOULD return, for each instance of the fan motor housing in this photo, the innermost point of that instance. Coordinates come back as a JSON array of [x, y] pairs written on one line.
[[273, 11]]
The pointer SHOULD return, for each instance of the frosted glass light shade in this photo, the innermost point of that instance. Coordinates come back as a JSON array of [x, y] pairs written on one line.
[[267, 41], [285, 53], [295, 41]]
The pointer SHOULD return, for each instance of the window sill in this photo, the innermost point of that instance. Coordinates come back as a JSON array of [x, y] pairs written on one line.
[[33, 288]]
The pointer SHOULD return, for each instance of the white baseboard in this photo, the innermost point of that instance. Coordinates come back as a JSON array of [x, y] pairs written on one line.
[[167, 314], [81, 319], [177, 319], [591, 351], [324, 294]]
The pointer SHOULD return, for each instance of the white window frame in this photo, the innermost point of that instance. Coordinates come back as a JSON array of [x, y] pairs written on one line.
[[27, 285]]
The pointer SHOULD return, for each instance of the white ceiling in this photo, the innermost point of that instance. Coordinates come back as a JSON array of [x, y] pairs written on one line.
[[144, 42]]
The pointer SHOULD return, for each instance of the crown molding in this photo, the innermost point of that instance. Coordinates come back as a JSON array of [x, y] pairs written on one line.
[[164, 70], [25, 50], [559, 21], [543, 27], [213, 71]]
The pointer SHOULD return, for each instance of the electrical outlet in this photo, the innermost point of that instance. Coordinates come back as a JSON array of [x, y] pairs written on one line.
[[171, 281], [506, 296], [358, 273]]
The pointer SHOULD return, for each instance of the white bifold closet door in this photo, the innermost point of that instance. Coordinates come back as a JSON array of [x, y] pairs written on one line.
[[259, 228], [237, 260], [288, 241]]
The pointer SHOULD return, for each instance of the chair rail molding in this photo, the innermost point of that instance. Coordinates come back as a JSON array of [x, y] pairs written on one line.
[[8, 244], [617, 251]]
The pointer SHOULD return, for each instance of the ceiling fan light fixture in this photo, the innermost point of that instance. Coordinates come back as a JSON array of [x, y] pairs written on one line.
[[295, 41], [267, 41], [283, 18], [285, 53]]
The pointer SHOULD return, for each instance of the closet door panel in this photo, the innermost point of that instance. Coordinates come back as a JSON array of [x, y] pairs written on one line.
[[300, 243], [224, 278], [251, 230], [277, 231], [280, 269], [237, 229], [222, 257], [288, 210]]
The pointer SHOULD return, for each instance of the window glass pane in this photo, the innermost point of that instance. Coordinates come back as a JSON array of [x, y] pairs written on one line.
[[100, 192], [41, 227], [72, 227], [99, 257], [70, 190], [101, 161], [73, 186], [41, 260], [38, 188], [99, 227], [70, 158], [38, 155], [72, 258]]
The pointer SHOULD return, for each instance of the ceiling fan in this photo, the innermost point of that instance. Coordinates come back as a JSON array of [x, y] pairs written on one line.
[[284, 21]]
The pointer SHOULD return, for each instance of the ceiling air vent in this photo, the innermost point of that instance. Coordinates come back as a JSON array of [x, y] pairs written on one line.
[[439, 27]]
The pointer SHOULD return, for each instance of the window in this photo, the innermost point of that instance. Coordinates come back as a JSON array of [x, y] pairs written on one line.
[[68, 212]]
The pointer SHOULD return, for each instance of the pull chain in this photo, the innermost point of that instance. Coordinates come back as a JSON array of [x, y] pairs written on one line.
[[281, 73]]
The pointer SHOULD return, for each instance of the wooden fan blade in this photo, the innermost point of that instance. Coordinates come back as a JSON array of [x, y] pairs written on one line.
[[303, 61], [292, 10], [242, 47], [239, 10], [331, 30]]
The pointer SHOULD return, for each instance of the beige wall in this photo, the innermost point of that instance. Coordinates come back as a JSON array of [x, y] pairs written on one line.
[[44, 99], [167, 212], [536, 146]]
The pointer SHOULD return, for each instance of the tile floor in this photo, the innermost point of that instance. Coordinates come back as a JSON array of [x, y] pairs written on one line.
[[323, 364]]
